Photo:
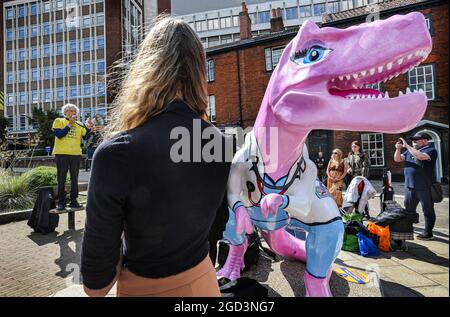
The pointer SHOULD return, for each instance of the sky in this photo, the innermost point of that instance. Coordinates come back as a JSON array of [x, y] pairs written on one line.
[[181, 7]]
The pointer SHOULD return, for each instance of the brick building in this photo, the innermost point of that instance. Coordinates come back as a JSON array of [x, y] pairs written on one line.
[[55, 52], [239, 72]]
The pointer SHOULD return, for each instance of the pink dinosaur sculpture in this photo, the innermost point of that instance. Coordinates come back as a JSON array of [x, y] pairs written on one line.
[[319, 83]]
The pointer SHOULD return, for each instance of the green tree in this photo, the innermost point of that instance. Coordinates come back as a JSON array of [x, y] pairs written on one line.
[[43, 122]]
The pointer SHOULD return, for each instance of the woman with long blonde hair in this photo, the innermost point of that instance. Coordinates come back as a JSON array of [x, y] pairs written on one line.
[[336, 171], [148, 215]]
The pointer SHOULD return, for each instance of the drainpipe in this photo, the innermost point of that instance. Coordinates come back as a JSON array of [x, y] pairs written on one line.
[[241, 122]]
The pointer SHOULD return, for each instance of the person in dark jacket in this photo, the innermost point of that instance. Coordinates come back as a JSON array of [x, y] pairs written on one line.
[[154, 189], [420, 161]]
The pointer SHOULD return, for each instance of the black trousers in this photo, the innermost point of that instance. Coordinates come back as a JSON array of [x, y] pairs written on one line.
[[64, 164], [412, 199]]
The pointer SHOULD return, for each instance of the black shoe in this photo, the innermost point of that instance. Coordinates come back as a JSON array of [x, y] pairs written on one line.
[[61, 207], [425, 236], [75, 204]]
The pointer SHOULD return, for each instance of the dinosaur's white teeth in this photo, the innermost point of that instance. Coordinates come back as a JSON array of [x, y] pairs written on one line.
[[389, 66], [348, 77], [363, 73], [400, 61], [386, 95], [355, 76], [380, 96], [410, 56], [400, 93], [372, 71], [341, 77], [421, 91], [380, 69], [408, 91]]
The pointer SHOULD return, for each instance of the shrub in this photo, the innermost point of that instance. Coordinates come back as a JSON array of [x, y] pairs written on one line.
[[41, 176], [15, 193]]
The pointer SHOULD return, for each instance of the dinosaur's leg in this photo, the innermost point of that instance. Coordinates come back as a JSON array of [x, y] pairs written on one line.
[[286, 244], [323, 244], [238, 245]]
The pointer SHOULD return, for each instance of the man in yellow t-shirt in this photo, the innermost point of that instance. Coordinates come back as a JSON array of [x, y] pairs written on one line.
[[69, 134]]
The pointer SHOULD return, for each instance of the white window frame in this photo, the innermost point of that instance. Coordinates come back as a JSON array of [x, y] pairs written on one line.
[[414, 73], [212, 108], [271, 63], [368, 146], [210, 70]]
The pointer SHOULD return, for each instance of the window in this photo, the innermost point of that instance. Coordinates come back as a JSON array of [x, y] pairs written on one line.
[[86, 44], [47, 73], [305, 11], [22, 54], [73, 69], [46, 50], [34, 74], [34, 30], [87, 68], [226, 39], [21, 11], [225, 23], [60, 93], [210, 70], [252, 17], [22, 76], [291, 13], [273, 57], [264, 17], [9, 13], [59, 48], [213, 24], [86, 21], [100, 42], [333, 7], [35, 96], [9, 35], [101, 89], [11, 99], [34, 52], [319, 9], [47, 28], [101, 67], [376, 86], [33, 9], [47, 6], [372, 143], [87, 90], [23, 98], [60, 71], [422, 77], [200, 26], [72, 46], [23, 117], [73, 92], [59, 4], [21, 33], [47, 95], [235, 20], [347, 4], [429, 22], [213, 41], [9, 56], [100, 19], [59, 27], [212, 108], [10, 79]]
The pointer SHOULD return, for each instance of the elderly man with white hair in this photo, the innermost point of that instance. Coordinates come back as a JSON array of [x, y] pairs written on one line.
[[69, 134]]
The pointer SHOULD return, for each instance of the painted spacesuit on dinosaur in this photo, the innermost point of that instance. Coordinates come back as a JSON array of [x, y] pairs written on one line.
[[319, 83]]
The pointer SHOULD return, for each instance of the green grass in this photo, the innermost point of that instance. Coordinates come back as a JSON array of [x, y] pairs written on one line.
[[15, 193]]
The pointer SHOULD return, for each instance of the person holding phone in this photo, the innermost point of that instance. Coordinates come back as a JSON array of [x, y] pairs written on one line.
[[69, 134], [420, 161]]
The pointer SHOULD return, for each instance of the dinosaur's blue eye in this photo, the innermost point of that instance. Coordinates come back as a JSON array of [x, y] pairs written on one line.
[[310, 56]]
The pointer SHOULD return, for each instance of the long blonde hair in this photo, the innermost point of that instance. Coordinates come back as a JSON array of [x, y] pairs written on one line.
[[170, 64]]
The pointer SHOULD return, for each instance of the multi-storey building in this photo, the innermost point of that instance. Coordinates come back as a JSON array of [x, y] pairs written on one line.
[[59, 51], [216, 27]]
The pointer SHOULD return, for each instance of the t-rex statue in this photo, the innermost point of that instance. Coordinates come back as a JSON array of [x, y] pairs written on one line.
[[320, 82]]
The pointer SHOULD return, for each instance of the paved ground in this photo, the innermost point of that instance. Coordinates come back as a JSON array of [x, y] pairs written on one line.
[[36, 265]]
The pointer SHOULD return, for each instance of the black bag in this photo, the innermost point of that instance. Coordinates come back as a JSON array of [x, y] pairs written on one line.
[[242, 287], [40, 219], [251, 255], [436, 193]]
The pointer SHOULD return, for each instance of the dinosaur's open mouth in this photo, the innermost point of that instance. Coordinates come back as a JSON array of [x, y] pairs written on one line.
[[357, 85]]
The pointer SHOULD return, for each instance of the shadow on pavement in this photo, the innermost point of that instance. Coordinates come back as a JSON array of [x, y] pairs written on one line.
[[70, 255], [392, 289]]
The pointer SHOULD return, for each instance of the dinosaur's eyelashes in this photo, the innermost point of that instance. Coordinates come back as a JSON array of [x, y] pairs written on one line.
[[311, 55]]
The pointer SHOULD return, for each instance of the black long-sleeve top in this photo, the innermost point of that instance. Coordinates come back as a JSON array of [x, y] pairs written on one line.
[[164, 209]]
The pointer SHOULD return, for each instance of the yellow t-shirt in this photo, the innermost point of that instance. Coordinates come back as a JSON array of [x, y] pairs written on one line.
[[71, 143]]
